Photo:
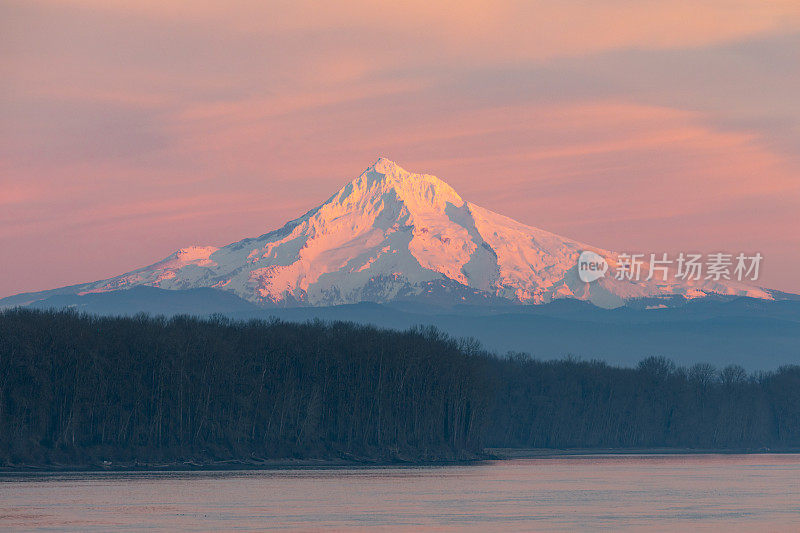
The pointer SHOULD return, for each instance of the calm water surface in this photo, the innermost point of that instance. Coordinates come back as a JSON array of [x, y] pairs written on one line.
[[658, 493]]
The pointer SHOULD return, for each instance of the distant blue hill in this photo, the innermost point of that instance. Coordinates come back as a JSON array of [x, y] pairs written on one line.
[[756, 334], [151, 300]]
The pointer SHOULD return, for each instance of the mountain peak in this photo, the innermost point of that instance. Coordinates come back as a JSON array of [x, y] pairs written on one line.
[[414, 189], [384, 165]]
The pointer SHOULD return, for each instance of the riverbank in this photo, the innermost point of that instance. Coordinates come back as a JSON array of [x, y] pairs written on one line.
[[531, 453], [241, 464], [490, 454]]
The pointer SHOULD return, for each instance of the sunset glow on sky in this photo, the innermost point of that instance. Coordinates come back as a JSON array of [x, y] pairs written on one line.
[[129, 130]]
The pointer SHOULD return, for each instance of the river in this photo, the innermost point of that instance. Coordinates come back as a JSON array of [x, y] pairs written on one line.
[[558, 493]]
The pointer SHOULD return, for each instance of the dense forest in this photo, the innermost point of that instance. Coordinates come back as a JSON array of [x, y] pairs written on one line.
[[83, 390], [78, 388]]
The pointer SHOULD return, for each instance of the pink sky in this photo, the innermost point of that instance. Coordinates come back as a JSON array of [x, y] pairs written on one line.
[[130, 129]]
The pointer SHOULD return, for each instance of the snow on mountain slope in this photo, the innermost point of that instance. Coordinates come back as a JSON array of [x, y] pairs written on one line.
[[391, 234]]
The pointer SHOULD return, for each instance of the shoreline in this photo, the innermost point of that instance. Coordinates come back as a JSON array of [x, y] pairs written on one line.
[[490, 454], [533, 453], [235, 465]]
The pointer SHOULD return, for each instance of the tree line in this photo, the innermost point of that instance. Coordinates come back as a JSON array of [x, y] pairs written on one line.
[[80, 389], [574, 404]]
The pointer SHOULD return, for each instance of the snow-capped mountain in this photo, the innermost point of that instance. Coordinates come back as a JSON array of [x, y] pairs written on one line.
[[389, 235]]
